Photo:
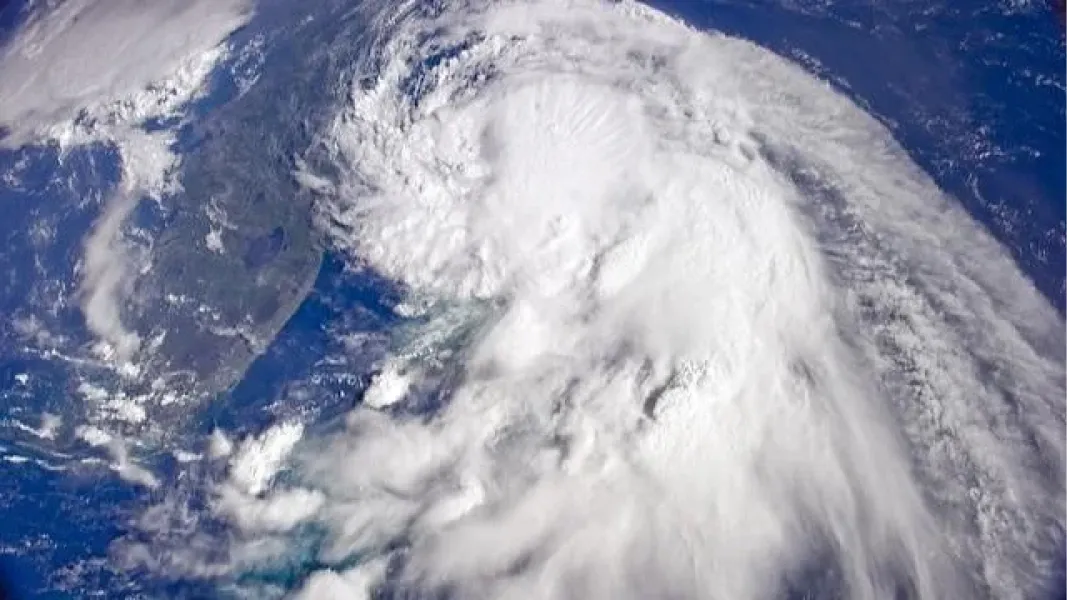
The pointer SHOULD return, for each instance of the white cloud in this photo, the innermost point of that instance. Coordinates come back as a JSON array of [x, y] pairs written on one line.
[[219, 445], [354, 584], [121, 462], [388, 387], [281, 511], [259, 458], [82, 53]]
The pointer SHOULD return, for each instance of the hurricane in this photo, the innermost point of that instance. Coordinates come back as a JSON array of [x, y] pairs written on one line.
[[673, 318]]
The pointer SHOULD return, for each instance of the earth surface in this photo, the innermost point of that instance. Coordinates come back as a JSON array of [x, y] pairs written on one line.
[[545, 299]]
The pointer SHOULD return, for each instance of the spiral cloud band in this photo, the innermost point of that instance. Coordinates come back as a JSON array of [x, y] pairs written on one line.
[[700, 327]]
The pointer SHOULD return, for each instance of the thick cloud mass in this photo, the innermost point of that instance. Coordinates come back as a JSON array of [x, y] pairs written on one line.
[[731, 341]]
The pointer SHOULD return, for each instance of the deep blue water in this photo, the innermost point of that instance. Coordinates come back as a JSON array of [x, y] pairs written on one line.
[[937, 79]]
